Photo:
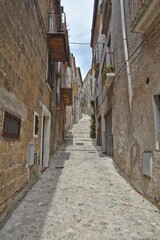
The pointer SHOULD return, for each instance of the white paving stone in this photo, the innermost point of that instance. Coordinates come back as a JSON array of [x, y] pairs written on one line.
[[82, 197]]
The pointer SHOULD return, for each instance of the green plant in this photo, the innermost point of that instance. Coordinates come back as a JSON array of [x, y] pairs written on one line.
[[58, 75], [93, 117], [92, 104], [107, 69]]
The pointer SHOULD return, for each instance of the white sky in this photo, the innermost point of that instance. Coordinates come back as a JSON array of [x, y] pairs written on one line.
[[79, 15]]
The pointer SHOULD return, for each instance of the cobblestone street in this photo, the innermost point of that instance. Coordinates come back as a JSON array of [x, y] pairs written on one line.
[[82, 197]]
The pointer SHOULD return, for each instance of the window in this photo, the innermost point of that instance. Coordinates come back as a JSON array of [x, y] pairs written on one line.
[[157, 119], [11, 126], [36, 124]]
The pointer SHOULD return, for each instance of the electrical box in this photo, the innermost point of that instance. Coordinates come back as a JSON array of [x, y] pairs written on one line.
[[31, 151], [147, 163]]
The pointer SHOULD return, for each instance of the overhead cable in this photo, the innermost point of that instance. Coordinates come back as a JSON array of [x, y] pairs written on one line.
[[80, 43]]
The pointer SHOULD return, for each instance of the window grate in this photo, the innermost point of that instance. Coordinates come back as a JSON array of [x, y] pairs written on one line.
[[11, 126], [36, 124]]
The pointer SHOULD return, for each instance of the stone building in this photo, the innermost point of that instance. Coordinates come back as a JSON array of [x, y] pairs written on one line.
[[77, 99], [66, 87], [87, 93], [125, 43], [77, 88], [33, 48]]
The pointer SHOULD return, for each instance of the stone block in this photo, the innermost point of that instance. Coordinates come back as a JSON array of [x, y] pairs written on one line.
[[3, 162], [19, 170], [20, 158], [14, 173], [11, 161], [8, 176], [2, 177], [20, 183], [2, 195], [2, 208], [10, 190]]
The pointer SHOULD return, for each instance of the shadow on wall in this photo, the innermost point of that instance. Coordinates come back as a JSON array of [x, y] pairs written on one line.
[[38, 201]]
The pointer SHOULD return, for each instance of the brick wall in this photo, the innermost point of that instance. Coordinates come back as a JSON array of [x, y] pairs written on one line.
[[23, 90]]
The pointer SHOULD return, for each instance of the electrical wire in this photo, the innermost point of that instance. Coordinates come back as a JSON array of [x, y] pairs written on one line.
[[79, 43]]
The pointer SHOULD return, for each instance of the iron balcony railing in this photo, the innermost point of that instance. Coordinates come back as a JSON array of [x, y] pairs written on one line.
[[58, 37], [57, 23]]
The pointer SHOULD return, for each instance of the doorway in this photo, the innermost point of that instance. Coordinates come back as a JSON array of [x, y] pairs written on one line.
[[108, 135], [99, 132], [45, 139]]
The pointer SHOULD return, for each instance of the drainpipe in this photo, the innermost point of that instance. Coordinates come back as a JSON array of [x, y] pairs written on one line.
[[126, 53]]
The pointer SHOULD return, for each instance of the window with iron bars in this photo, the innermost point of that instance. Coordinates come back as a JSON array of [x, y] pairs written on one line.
[[11, 126]]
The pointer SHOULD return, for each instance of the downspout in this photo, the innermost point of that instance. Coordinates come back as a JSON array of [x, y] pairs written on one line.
[[126, 53]]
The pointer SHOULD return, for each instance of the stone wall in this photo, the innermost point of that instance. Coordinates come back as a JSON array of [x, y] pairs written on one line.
[[23, 90], [134, 132]]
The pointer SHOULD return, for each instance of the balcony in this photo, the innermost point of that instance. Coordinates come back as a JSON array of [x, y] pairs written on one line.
[[67, 96], [58, 38], [108, 71], [106, 16], [143, 13]]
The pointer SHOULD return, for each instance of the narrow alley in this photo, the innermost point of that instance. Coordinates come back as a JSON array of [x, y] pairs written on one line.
[[82, 197]]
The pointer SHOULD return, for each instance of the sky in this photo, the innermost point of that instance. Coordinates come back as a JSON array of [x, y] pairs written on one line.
[[79, 15]]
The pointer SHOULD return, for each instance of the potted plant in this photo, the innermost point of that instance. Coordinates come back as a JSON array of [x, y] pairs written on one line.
[[108, 68]]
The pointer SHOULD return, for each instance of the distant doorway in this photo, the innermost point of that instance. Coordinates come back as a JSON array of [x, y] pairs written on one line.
[[108, 135], [45, 139]]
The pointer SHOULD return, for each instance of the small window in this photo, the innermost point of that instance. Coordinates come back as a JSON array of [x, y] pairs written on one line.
[[157, 119], [36, 124], [11, 126]]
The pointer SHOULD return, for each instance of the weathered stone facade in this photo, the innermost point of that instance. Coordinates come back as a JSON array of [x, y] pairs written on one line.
[[87, 93], [135, 130], [135, 126], [26, 94]]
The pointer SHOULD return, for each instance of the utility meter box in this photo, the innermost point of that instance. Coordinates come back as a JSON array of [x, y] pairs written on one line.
[[147, 163]]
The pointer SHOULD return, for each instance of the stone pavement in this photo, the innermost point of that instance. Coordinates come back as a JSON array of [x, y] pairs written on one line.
[[82, 197]]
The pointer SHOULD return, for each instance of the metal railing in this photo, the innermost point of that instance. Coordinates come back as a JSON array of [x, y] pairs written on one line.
[[57, 23]]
